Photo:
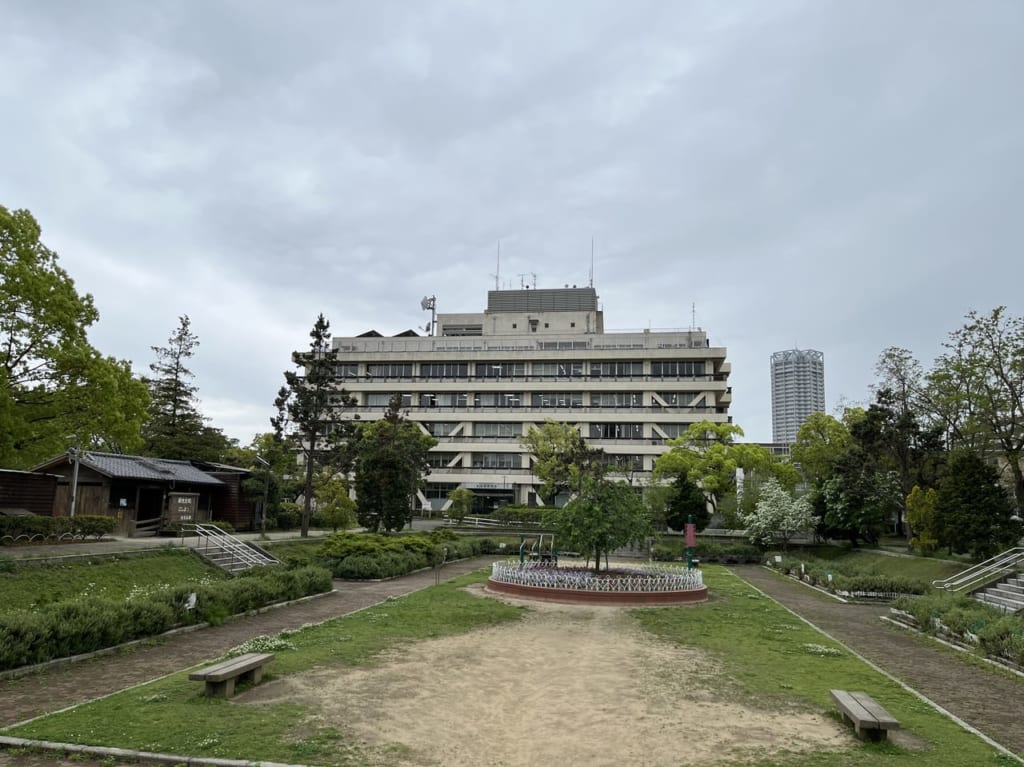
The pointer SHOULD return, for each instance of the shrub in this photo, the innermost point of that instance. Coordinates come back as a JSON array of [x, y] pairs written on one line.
[[68, 628]]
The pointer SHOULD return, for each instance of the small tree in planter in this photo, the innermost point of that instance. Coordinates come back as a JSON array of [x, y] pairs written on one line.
[[461, 503]]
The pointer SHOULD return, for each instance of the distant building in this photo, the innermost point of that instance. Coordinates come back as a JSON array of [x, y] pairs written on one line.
[[485, 378], [798, 389]]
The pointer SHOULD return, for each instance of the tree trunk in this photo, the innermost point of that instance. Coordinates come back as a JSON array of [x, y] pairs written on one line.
[[307, 500]]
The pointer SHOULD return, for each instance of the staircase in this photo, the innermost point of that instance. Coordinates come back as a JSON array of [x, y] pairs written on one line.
[[997, 581], [1006, 595], [225, 551]]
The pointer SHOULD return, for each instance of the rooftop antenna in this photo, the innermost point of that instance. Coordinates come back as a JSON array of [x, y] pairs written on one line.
[[522, 280], [591, 261], [497, 274], [534, 275], [430, 302], [693, 316]]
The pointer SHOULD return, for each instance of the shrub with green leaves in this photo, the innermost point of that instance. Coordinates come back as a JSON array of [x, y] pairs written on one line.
[[368, 556], [72, 627]]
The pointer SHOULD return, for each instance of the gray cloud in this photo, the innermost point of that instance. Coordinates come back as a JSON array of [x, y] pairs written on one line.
[[842, 176]]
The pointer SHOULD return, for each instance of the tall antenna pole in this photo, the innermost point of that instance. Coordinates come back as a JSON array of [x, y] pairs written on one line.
[[693, 316], [497, 274], [591, 260]]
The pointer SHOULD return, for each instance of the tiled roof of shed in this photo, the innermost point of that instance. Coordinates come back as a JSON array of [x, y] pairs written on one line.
[[139, 467]]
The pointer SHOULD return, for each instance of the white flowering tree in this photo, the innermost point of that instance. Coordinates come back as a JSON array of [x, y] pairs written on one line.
[[778, 516]]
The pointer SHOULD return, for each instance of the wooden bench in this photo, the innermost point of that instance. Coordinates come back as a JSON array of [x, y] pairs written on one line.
[[220, 678], [870, 721]]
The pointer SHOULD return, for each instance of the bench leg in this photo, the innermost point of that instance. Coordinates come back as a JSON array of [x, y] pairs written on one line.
[[223, 689]]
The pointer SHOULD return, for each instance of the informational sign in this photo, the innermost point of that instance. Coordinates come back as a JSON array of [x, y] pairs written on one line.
[[182, 507]]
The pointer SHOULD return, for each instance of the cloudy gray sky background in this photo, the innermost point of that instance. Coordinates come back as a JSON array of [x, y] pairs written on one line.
[[843, 176]]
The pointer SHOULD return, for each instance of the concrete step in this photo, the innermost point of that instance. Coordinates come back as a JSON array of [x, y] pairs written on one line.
[[1006, 603]]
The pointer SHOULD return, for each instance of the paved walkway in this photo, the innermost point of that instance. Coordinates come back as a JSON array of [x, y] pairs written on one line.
[[988, 699]]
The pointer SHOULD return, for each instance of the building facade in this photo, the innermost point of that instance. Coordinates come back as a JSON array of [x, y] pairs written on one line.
[[798, 389], [482, 380]]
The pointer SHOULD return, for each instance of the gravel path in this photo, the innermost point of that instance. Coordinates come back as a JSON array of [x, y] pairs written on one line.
[[73, 683], [988, 699]]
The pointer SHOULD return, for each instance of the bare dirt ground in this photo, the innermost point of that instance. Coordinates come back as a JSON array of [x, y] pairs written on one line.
[[580, 685]]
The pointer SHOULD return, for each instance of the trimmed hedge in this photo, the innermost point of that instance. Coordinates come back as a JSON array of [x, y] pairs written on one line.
[[83, 526], [847, 578], [367, 556], [674, 550], [62, 629]]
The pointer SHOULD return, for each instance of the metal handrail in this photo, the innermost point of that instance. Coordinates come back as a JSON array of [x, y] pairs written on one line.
[[983, 571], [229, 544]]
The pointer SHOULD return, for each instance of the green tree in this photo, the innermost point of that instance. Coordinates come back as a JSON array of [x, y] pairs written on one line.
[[600, 518], [980, 383], [334, 507], [562, 458], [857, 503], [820, 442], [461, 503], [778, 516], [53, 383], [921, 505], [390, 463], [309, 413], [684, 501], [973, 512], [708, 454], [176, 429]]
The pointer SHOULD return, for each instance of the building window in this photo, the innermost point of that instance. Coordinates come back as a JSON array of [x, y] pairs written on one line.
[[444, 369], [348, 370], [681, 398], [557, 399], [440, 428], [616, 431], [440, 460], [389, 370], [497, 399], [616, 399], [497, 429], [677, 368], [500, 369], [497, 460], [617, 368], [558, 369]]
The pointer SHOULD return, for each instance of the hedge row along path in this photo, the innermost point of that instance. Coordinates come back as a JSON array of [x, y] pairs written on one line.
[[988, 699], [68, 684]]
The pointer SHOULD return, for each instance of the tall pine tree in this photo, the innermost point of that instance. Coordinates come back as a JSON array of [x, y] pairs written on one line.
[[176, 429]]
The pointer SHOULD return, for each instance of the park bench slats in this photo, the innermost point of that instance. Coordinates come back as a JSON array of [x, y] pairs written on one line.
[[220, 678], [868, 717]]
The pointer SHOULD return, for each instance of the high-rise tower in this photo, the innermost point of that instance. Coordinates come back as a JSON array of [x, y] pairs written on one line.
[[798, 389]]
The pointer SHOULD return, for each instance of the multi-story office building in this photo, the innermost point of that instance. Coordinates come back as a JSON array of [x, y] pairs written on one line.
[[798, 389], [482, 380]]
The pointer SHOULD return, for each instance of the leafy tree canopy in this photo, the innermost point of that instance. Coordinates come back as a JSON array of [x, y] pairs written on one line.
[[390, 463], [973, 512], [56, 390], [562, 458], [778, 516], [821, 441], [601, 517]]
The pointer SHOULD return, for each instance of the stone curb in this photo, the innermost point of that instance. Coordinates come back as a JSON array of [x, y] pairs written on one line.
[[965, 649], [14, 673], [127, 754]]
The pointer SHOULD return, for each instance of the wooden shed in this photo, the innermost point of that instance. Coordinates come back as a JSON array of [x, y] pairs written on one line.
[[27, 491]]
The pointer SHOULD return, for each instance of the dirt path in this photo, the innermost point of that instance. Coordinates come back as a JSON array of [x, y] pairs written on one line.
[[990, 701], [69, 684]]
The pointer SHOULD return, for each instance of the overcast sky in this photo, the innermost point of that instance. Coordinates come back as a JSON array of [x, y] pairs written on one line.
[[842, 176]]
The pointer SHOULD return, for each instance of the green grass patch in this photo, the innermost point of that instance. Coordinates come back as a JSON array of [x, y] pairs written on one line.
[[24, 586], [771, 659], [765, 656], [171, 715]]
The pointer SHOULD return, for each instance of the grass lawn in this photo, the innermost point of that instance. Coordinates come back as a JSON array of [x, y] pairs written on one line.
[[923, 568], [764, 657], [28, 586]]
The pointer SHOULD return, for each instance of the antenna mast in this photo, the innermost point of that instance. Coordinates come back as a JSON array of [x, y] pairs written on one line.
[[591, 261], [693, 316]]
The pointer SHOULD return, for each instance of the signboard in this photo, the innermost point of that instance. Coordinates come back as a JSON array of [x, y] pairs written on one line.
[[182, 507]]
